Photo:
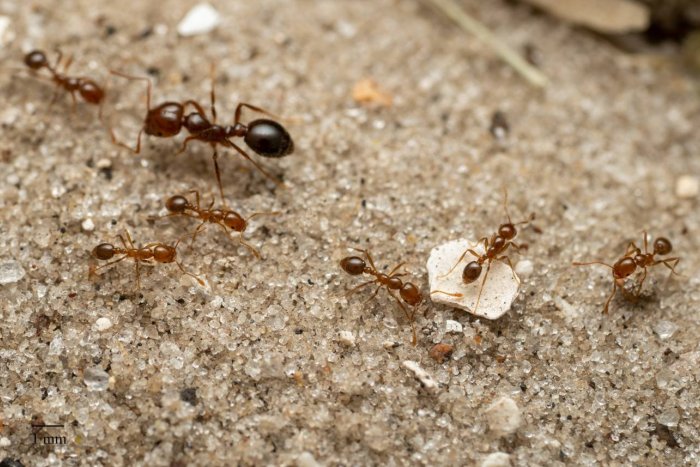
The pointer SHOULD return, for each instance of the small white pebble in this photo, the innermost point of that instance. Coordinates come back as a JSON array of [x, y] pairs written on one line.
[[104, 163], [88, 225], [426, 380], [201, 19], [6, 34], [347, 338], [687, 186], [11, 272], [5, 442], [503, 416], [496, 459], [453, 326], [306, 459], [102, 324], [390, 344], [12, 179], [524, 267]]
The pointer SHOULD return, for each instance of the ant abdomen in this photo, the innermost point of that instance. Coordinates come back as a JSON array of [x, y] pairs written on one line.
[[103, 251], [177, 204], [90, 91], [624, 268], [165, 120], [268, 138], [164, 253], [411, 294], [353, 265], [36, 60], [471, 272]]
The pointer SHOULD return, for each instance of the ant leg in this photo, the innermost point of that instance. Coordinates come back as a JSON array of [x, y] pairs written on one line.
[[179, 264], [199, 228], [612, 294], [458, 295], [409, 316], [483, 240], [257, 166], [67, 64], [111, 262], [196, 105], [138, 275], [646, 247], [481, 289], [185, 143], [242, 241], [217, 171], [576, 263], [212, 72], [507, 260], [239, 108], [641, 281], [666, 262], [75, 102], [137, 78], [128, 237], [135, 150], [391, 274], [374, 294], [256, 214], [633, 248], [356, 288]]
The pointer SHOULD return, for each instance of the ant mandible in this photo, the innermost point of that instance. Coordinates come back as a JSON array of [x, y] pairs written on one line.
[[410, 293], [178, 205], [265, 137], [634, 259], [155, 251], [494, 249], [90, 91]]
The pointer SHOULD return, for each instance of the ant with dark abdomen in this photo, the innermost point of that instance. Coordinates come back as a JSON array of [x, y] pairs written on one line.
[[265, 137], [155, 251], [634, 259], [494, 249], [410, 293], [178, 205], [90, 91]]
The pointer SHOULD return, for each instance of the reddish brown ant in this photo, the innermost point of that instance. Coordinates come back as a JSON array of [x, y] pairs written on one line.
[[90, 91], [155, 251], [265, 137], [634, 259], [355, 266], [178, 205], [494, 249]]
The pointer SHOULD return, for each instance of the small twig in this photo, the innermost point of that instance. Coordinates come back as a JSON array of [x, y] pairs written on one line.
[[472, 26]]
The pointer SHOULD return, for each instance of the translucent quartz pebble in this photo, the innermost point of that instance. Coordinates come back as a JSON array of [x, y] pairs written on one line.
[[500, 289], [11, 272]]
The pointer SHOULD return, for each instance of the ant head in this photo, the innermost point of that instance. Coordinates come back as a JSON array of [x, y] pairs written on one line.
[[507, 231], [103, 251], [235, 222], [164, 121], [662, 246], [471, 272], [353, 265], [91, 92], [164, 253], [268, 138], [177, 204], [196, 123], [36, 60], [411, 294], [624, 268]]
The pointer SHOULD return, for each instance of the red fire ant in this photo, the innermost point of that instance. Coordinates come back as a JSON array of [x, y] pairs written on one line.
[[355, 266], [178, 205], [265, 137], [90, 91], [634, 259], [494, 249], [155, 251]]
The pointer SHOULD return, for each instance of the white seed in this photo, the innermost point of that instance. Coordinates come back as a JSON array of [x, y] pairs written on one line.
[[201, 19], [347, 338], [687, 186], [504, 416], [102, 324], [453, 326], [499, 291], [88, 225]]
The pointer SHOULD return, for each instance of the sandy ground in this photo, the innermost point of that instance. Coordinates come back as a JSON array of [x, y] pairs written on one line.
[[251, 369]]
